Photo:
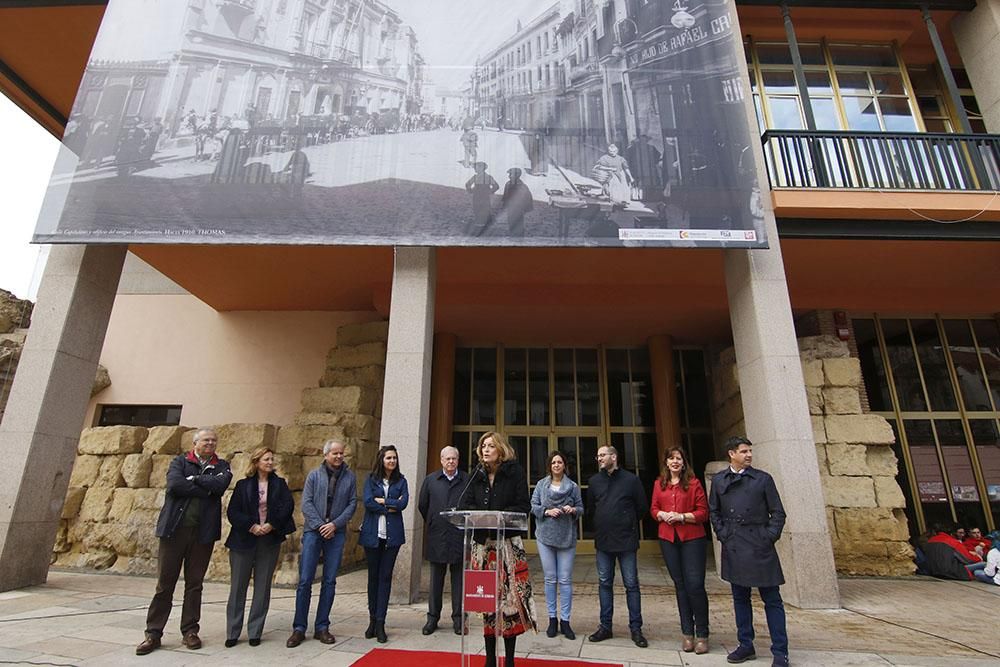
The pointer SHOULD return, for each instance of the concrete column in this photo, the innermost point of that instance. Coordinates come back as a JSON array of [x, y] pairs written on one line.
[[977, 34], [664, 378], [406, 399], [48, 401], [442, 398], [777, 417]]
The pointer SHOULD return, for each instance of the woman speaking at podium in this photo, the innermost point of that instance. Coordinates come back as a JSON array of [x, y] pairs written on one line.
[[499, 483]]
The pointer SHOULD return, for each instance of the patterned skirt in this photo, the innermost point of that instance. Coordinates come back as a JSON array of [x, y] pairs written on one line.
[[517, 607]]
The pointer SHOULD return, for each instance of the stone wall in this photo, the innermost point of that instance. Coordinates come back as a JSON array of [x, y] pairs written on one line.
[[117, 485], [15, 317], [857, 465]]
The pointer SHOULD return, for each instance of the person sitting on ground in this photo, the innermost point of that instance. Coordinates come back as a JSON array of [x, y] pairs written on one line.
[[947, 558], [991, 573], [957, 532], [976, 543]]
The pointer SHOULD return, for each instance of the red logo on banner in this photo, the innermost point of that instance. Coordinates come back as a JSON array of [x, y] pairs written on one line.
[[481, 591]]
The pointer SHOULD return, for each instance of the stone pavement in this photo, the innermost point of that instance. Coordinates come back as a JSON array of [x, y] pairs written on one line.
[[84, 619]]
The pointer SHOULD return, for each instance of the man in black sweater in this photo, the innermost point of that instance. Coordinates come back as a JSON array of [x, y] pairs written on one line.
[[617, 503]]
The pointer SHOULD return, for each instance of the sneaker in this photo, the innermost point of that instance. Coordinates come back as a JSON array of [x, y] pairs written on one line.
[[601, 634], [741, 654]]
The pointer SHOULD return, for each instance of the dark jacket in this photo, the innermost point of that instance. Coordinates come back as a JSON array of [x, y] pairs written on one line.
[[345, 499], [509, 493], [243, 512], [747, 517], [208, 484], [396, 501], [618, 503], [437, 494]]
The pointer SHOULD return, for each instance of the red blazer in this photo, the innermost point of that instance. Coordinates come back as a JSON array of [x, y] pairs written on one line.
[[676, 499]]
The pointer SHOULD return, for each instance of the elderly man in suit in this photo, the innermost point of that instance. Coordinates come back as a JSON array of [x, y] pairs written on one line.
[[747, 517], [441, 491]]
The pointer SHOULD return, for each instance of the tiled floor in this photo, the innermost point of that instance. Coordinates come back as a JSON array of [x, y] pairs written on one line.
[[95, 619]]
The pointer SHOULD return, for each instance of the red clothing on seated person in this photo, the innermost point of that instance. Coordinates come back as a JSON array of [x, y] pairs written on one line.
[[945, 538], [971, 543]]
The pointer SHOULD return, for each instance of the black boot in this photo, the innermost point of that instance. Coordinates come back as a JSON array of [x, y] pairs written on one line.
[[491, 651], [566, 630], [508, 648], [380, 635], [370, 632], [553, 628]]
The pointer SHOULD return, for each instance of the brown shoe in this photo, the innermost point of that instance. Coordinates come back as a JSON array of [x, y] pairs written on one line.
[[701, 646], [687, 645], [296, 638], [324, 636], [148, 645], [192, 641]]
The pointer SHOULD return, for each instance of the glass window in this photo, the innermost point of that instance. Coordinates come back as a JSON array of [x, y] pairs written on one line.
[[463, 385], [927, 471], [484, 386], [564, 381], [861, 114], [885, 83], [964, 355], [588, 388], [863, 55], [872, 368], [933, 365], [538, 386], [139, 415], [897, 115], [779, 81], [853, 83], [986, 436], [988, 337], [619, 394], [786, 113], [964, 490], [904, 366], [515, 386]]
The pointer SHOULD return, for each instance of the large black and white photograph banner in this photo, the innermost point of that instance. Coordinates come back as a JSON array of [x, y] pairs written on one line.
[[411, 122]]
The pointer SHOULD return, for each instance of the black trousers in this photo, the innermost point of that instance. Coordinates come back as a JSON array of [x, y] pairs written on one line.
[[180, 551], [436, 597]]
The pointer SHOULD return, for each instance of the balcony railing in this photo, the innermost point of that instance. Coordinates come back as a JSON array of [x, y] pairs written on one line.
[[882, 160]]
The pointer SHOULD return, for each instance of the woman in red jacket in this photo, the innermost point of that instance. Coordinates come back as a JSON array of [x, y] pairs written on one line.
[[681, 508]]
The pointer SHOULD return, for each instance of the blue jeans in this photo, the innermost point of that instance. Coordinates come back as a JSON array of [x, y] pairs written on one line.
[[686, 563], [332, 549], [381, 560], [557, 567], [774, 609], [980, 575], [606, 593]]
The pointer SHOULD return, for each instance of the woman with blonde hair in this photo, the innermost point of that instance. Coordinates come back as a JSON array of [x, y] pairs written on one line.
[[499, 484], [260, 511]]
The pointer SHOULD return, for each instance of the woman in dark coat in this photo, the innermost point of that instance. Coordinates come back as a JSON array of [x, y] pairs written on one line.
[[260, 512], [386, 495], [501, 485]]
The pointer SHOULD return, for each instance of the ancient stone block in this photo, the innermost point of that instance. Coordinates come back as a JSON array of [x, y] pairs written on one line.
[[238, 464], [290, 467], [62, 543], [842, 491], [822, 347], [86, 468], [158, 471], [111, 472], [121, 504], [819, 429], [814, 396], [882, 461], [729, 381], [841, 401], [362, 376], [74, 498], [859, 429], [306, 440], [861, 525], [729, 413], [355, 356], [148, 499], [135, 566], [888, 493], [812, 373], [235, 438], [821, 459], [96, 504], [842, 372], [367, 332], [358, 400], [167, 440], [847, 459], [112, 440], [136, 469]]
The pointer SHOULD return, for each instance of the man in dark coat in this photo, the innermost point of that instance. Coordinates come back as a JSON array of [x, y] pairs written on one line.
[[747, 517], [190, 522], [516, 202], [618, 503], [442, 491]]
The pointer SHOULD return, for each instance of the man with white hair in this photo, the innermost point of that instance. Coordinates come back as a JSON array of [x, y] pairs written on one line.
[[442, 491], [190, 523], [329, 499]]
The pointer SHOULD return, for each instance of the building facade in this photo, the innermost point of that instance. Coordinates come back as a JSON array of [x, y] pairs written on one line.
[[861, 352]]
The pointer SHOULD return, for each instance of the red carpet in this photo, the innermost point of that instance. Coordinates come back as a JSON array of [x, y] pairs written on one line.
[[381, 657]]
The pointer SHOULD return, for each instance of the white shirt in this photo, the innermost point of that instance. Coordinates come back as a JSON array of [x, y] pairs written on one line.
[[383, 532], [992, 568]]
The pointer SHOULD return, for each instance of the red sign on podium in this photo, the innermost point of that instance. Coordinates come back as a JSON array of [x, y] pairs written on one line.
[[481, 591]]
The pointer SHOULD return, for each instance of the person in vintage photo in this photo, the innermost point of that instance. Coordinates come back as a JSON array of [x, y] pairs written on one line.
[[515, 202], [612, 172], [481, 186], [470, 143]]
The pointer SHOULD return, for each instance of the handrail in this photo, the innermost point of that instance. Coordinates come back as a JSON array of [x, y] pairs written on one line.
[[882, 160]]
